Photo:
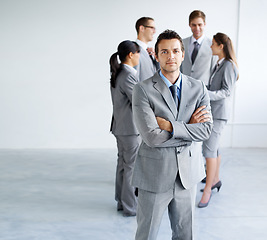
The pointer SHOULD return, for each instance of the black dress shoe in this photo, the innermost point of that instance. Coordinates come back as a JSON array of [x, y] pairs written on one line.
[[136, 192], [217, 185], [129, 214], [203, 180], [119, 207]]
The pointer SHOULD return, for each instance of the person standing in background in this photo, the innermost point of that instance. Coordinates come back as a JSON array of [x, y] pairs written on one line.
[[198, 61], [123, 79], [148, 65], [220, 89]]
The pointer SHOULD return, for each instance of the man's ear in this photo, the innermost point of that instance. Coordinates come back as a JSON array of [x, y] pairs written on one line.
[[141, 28], [183, 55], [156, 57]]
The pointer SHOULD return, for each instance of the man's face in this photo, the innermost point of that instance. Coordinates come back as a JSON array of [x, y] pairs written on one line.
[[149, 30], [197, 26], [170, 55]]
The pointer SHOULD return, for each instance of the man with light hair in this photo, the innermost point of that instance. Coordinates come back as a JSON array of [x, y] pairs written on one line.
[[198, 62]]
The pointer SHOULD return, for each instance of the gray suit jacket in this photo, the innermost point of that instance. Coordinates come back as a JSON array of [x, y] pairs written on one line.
[[122, 120], [221, 87], [146, 67], [203, 64], [162, 155]]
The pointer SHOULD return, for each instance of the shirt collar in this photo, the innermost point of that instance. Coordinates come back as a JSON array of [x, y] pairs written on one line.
[[219, 62], [168, 83], [200, 40], [131, 69], [142, 44]]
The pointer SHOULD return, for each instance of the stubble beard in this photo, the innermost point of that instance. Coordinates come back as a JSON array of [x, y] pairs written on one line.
[[170, 71]]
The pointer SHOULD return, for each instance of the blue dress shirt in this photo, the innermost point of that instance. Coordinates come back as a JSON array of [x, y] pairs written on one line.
[[178, 83]]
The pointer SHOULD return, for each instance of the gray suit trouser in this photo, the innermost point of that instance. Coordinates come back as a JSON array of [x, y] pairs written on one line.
[[124, 192], [151, 207]]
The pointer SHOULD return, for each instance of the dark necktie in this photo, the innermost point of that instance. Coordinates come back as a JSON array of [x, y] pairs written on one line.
[[150, 55], [173, 89], [195, 51]]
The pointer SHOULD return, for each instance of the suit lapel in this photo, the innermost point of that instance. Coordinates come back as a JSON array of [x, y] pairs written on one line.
[[186, 44], [186, 85], [215, 70], [203, 49], [162, 88], [147, 57], [221, 65]]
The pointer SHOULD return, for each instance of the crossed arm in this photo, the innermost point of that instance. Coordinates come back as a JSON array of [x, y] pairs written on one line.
[[156, 132], [199, 116]]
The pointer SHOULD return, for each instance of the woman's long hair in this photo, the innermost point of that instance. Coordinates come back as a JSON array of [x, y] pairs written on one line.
[[124, 49], [228, 49]]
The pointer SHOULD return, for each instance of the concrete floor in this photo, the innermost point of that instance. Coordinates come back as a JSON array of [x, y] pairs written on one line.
[[69, 195]]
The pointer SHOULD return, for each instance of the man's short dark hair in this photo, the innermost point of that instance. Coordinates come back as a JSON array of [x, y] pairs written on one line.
[[168, 34], [143, 21], [197, 14]]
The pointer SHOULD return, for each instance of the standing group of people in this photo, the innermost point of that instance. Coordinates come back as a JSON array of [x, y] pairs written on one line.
[[165, 101]]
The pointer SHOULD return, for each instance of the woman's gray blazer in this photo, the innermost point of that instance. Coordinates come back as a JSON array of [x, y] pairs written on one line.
[[221, 87], [122, 120]]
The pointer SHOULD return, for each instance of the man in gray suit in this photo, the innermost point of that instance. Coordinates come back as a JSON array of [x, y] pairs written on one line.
[[169, 121], [198, 62], [147, 66]]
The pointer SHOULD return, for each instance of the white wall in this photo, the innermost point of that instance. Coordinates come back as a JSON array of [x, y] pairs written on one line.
[[54, 72], [248, 127]]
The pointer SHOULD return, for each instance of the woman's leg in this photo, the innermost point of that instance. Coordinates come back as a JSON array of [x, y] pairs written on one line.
[[217, 174], [211, 168], [213, 159]]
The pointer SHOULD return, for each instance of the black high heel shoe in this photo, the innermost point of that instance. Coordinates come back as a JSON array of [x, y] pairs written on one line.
[[203, 180], [217, 185]]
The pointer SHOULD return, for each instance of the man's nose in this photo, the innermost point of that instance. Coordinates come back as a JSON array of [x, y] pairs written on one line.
[[171, 54]]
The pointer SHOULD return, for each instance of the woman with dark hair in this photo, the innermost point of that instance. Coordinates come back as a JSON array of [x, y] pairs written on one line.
[[123, 79], [221, 86]]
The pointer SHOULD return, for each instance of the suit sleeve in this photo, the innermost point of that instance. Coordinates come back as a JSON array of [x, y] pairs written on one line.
[[145, 120], [227, 84], [197, 131], [128, 85]]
